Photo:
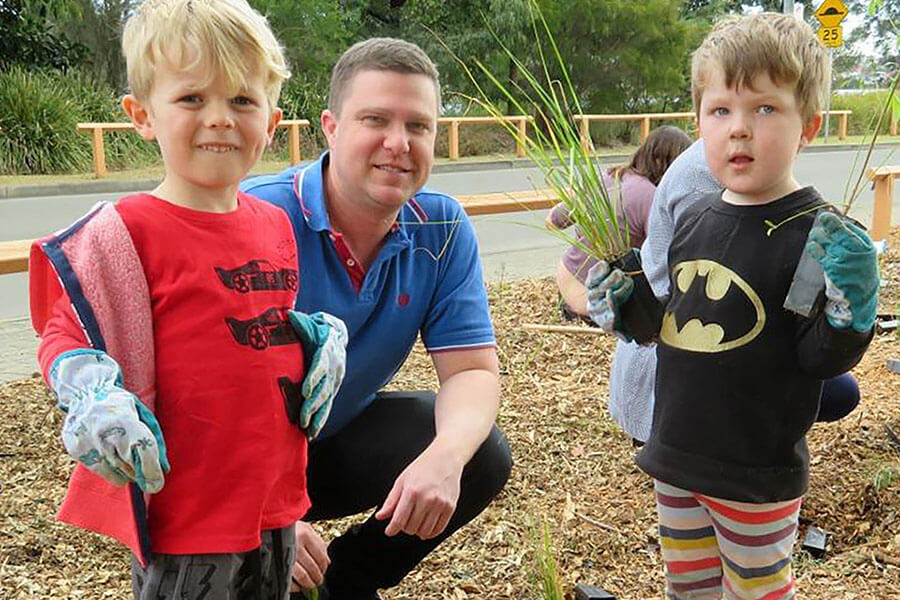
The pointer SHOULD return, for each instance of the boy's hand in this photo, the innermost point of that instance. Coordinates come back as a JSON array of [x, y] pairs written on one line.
[[324, 339], [607, 291], [106, 427], [851, 271]]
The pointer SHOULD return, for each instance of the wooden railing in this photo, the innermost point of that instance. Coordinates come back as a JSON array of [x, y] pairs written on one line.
[[520, 121], [645, 119], [883, 178], [99, 152], [842, 116], [14, 254]]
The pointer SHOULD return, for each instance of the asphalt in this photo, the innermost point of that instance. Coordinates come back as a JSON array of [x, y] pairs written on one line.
[[18, 342], [440, 166]]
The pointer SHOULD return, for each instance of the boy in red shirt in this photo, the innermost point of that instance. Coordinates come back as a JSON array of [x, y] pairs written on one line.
[[167, 330]]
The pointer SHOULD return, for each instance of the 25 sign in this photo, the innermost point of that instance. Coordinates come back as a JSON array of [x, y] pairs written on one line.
[[833, 37]]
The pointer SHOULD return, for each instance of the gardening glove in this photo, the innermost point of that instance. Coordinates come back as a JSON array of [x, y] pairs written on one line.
[[324, 340], [107, 428], [850, 263], [607, 290]]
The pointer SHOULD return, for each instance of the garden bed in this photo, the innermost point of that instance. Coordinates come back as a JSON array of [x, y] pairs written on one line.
[[573, 471]]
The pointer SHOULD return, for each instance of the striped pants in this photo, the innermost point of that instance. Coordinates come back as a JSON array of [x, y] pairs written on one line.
[[716, 548]]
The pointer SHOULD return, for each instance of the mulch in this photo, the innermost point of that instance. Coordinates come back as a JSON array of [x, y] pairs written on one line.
[[574, 478]]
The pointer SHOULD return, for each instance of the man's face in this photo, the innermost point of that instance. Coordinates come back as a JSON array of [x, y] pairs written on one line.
[[382, 140], [752, 136]]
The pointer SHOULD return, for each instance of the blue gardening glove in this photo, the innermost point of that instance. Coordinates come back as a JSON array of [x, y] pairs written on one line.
[[324, 339], [607, 290], [851, 271], [106, 427]]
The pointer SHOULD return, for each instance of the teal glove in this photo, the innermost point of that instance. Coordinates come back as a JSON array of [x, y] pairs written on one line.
[[850, 263], [106, 427], [324, 340], [607, 290]]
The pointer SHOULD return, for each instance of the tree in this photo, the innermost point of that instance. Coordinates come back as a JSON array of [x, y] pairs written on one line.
[[880, 30], [31, 34], [709, 10], [99, 29]]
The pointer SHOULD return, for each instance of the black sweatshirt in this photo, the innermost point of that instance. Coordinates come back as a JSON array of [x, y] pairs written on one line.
[[739, 377]]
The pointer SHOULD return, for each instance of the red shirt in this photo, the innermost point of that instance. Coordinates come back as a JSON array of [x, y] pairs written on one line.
[[220, 286]]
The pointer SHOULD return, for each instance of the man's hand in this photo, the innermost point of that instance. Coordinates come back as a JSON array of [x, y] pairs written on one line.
[[106, 427], [424, 496], [608, 289], [324, 340], [850, 263], [308, 570]]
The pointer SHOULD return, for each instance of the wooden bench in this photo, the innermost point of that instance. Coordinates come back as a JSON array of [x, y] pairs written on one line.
[[520, 121], [99, 152], [14, 254], [883, 177], [505, 202]]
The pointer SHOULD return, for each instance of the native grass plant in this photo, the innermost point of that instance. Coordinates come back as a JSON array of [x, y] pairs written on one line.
[[570, 169], [545, 576]]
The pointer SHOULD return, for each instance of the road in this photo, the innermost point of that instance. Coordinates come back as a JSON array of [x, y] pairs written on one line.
[[512, 245]]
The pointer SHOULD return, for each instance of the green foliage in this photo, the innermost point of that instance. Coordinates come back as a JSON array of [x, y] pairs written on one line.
[[38, 119], [39, 111], [545, 575], [885, 476], [866, 108], [880, 29], [314, 34], [30, 35], [553, 143]]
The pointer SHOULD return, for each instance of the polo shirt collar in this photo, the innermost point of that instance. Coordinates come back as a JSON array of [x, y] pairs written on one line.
[[309, 186]]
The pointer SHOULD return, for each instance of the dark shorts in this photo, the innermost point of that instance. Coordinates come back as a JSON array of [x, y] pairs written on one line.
[[261, 574]]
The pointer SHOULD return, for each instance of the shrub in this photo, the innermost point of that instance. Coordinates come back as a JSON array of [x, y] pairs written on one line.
[[865, 109], [98, 102], [38, 118], [39, 111]]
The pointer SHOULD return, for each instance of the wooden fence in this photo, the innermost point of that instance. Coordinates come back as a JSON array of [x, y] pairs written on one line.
[[99, 152], [97, 131]]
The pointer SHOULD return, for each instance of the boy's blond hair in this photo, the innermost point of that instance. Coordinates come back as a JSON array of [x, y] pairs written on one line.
[[779, 45], [225, 37], [380, 54]]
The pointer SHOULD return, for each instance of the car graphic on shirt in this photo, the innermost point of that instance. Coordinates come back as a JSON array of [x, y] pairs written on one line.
[[271, 328], [258, 275]]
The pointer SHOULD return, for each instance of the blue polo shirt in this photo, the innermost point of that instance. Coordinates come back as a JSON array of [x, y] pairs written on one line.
[[426, 278]]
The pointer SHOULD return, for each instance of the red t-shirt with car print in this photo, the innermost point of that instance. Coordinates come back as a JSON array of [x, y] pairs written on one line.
[[228, 369]]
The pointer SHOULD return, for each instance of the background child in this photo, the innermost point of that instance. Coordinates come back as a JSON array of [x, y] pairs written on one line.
[[637, 181], [178, 302], [738, 376]]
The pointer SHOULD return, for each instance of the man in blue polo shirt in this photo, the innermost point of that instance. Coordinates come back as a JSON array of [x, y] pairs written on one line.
[[393, 261]]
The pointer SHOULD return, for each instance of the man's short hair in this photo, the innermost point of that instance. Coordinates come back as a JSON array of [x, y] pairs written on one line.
[[379, 54], [779, 45], [226, 37]]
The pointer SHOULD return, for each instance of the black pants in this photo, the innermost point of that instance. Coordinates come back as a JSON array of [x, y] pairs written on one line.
[[840, 395], [353, 471]]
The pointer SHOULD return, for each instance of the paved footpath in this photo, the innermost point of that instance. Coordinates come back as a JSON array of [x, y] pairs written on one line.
[[18, 349]]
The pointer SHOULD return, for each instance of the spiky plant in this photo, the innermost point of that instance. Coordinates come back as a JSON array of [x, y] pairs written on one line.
[[571, 170]]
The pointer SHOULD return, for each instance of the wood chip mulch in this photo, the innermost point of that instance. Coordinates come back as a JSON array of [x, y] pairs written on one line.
[[573, 474]]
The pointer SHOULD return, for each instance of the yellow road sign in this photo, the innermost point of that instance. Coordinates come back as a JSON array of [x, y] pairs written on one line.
[[833, 37], [831, 12]]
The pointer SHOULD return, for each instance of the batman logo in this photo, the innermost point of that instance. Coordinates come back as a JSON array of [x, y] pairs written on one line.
[[717, 310]]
